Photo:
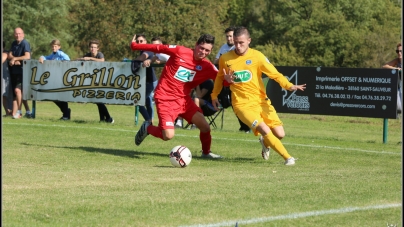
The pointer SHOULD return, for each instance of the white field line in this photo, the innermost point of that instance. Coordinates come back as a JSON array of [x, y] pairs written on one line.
[[215, 138], [296, 215]]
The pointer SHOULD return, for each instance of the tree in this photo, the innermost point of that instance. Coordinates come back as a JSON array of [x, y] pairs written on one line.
[[41, 20]]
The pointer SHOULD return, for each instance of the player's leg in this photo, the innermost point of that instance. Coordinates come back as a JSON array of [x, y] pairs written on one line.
[[194, 114], [261, 119], [277, 132], [165, 129]]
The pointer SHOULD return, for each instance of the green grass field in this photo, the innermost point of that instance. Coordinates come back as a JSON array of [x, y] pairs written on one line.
[[85, 173]]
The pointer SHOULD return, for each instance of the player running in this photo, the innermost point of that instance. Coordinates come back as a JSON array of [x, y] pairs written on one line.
[[184, 70], [242, 68]]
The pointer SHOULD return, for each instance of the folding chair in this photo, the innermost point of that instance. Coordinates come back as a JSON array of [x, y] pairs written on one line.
[[212, 118]]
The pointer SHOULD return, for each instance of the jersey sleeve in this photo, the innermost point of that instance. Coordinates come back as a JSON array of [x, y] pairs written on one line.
[[156, 48], [218, 80], [268, 69]]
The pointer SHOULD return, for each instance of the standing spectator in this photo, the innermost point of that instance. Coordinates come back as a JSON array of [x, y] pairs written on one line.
[[58, 55], [96, 55], [396, 64], [184, 70], [20, 50], [6, 84], [151, 79], [242, 68], [228, 46]]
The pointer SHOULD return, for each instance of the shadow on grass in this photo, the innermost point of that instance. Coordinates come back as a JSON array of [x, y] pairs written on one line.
[[136, 154]]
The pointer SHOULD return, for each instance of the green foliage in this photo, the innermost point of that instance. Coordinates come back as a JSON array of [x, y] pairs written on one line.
[[41, 20], [311, 32]]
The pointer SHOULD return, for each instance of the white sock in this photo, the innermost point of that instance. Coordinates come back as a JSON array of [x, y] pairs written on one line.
[[27, 112]]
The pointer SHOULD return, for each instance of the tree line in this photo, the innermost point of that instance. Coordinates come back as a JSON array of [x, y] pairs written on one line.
[[329, 33]]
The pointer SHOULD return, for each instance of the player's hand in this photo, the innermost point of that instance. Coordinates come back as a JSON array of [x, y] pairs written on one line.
[[229, 76], [215, 104], [298, 87], [134, 38]]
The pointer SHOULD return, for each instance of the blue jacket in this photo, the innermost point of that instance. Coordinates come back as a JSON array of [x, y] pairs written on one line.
[[59, 55]]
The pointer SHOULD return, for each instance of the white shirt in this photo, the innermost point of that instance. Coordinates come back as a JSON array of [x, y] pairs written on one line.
[[224, 49], [163, 57]]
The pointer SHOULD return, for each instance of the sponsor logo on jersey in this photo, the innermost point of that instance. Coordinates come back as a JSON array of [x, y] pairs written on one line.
[[198, 67], [172, 46], [169, 123], [248, 62], [181, 60], [242, 76], [184, 74]]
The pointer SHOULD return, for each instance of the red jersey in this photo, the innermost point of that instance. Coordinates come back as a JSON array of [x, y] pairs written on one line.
[[181, 72]]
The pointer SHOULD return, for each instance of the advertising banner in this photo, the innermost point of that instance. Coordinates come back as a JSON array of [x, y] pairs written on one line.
[[84, 81], [337, 91]]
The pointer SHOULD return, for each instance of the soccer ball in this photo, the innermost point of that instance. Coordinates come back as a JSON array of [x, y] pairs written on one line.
[[180, 156]]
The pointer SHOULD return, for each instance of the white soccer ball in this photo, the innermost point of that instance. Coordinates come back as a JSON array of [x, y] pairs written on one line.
[[180, 156]]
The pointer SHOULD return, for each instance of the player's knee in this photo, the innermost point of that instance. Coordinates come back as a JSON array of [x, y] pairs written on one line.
[[168, 136], [205, 128]]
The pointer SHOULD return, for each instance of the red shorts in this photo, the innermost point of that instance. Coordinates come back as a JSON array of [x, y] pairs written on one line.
[[168, 111]]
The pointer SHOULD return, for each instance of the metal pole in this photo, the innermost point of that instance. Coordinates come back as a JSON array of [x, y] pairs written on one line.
[[136, 115], [33, 109], [385, 128]]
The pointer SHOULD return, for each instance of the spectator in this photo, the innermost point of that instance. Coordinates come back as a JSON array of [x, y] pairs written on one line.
[[158, 58], [184, 70], [203, 100], [6, 85], [228, 46], [58, 55], [20, 50], [396, 64], [151, 80], [245, 66], [96, 55]]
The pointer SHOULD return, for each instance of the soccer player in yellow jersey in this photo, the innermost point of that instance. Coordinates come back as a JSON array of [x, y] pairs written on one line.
[[242, 68]]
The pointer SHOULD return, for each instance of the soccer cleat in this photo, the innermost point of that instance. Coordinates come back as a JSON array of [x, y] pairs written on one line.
[[210, 155], [265, 150], [110, 120], [142, 133], [290, 161], [28, 115]]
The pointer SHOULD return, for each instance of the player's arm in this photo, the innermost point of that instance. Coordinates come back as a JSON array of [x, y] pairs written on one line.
[[218, 85], [268, 69], [155, 48]]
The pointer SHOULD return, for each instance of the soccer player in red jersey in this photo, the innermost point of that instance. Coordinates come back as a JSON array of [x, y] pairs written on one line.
[[185, 69]]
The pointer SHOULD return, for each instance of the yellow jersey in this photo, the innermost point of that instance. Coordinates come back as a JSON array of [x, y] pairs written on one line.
[[248, 87]]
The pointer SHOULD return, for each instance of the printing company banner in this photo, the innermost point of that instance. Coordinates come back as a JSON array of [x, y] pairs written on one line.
[[358, 92], [84, 81]]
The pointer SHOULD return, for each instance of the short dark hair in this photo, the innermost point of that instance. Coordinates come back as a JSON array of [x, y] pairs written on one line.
[[239, 31], [206, 38], [94, 41], [230, 29], [157, 38], [141, 35]]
